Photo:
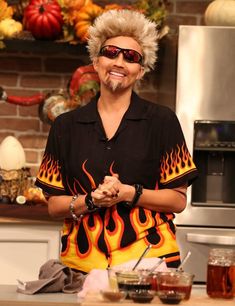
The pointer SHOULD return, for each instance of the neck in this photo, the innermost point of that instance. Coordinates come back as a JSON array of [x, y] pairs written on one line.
[[114, 101]]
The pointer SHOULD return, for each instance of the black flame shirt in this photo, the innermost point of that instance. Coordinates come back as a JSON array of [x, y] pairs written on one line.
[[148, 148]]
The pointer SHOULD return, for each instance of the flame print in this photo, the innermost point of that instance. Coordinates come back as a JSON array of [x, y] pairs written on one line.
[[92, 182], [49, 173], [175, 164], [76, 187], [93, 240], [114, 233]]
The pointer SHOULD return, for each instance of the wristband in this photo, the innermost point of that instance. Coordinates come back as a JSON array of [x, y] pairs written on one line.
[[89, 202], [138, 192]]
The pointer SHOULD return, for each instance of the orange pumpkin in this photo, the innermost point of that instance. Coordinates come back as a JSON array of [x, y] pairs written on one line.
[[69, 11], [84, 19], [113, 6], [74, 4], [116, 6]]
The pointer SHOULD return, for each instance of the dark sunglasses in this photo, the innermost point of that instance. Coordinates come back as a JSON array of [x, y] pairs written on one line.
[[131, 56]]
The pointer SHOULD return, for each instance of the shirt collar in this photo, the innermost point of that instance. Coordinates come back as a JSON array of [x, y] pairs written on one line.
[[137, 110]]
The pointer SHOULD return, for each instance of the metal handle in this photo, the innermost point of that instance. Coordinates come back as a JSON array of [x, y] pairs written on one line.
[[210, 239], [142, 256]]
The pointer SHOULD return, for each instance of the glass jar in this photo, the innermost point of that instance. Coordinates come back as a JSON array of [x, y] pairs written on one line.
[[233, 273], [220, 273]]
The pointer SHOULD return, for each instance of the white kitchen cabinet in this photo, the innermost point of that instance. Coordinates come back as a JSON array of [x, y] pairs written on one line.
[[25, 247]]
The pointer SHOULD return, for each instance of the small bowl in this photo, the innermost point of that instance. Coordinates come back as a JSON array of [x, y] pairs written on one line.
[[170, 297], [142, 297], [175, 281], [132, 281], [113, 295]]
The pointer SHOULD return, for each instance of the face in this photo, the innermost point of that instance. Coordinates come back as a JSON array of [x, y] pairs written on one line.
[[117, 73]]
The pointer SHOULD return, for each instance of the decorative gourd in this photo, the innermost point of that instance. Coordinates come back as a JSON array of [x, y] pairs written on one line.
[[5, 10], [115, 6], [9, 27], [84, 83], [69, 11], [220, 13], [73, 4], [43, 19], [85, 18]]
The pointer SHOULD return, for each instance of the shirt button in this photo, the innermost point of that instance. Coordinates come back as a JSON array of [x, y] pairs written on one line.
[[108, 148]]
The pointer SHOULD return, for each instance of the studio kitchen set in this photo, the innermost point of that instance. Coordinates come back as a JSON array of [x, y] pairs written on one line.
[[206, 109]]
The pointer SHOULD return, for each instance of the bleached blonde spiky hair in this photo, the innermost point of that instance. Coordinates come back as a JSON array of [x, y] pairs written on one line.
[[129, 23]]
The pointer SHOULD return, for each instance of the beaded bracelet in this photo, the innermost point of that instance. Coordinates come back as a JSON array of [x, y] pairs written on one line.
[[72, 209]]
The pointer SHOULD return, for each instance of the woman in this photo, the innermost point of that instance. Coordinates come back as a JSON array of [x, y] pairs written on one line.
[[117, 169]]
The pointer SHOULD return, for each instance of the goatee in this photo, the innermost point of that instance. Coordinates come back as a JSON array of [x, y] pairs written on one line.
[[114, 85]]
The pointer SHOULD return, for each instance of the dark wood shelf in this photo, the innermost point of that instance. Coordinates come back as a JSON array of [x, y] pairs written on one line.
[[27, 211], [43, 47]]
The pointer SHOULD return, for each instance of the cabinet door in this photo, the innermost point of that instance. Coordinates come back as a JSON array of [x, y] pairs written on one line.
[[25, 248]]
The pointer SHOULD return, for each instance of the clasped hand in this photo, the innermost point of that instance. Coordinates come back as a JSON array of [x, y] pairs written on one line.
[[109, 192]]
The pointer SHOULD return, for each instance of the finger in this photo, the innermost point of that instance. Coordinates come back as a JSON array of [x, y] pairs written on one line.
[[108, 179], [97, 195], [105, 185], [113, 192]]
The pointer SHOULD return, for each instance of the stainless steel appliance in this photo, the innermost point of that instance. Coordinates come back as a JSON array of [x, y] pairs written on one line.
[[205, 107]]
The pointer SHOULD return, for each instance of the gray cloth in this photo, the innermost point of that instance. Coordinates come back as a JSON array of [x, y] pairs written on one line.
[[54, 277]]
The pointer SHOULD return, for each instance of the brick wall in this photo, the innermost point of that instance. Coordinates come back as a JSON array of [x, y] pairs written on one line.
[[25, 73]]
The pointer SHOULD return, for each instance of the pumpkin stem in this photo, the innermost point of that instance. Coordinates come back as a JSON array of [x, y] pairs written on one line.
[[41, 9]]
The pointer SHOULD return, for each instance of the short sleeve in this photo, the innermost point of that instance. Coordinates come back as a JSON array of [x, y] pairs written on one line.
[[49, 176], [176, 166]]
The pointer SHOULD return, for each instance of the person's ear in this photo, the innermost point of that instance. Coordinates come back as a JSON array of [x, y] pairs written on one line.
[[95, 63], [141, 73]]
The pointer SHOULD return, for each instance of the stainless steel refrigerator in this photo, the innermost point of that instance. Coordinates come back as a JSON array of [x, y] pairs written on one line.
[[205, 107]]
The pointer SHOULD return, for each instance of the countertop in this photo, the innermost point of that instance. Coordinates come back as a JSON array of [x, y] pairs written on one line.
[[9, 297]]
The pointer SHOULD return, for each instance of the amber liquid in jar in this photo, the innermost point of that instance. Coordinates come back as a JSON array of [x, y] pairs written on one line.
[[220, 282], [233, 277], [220, 276]]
